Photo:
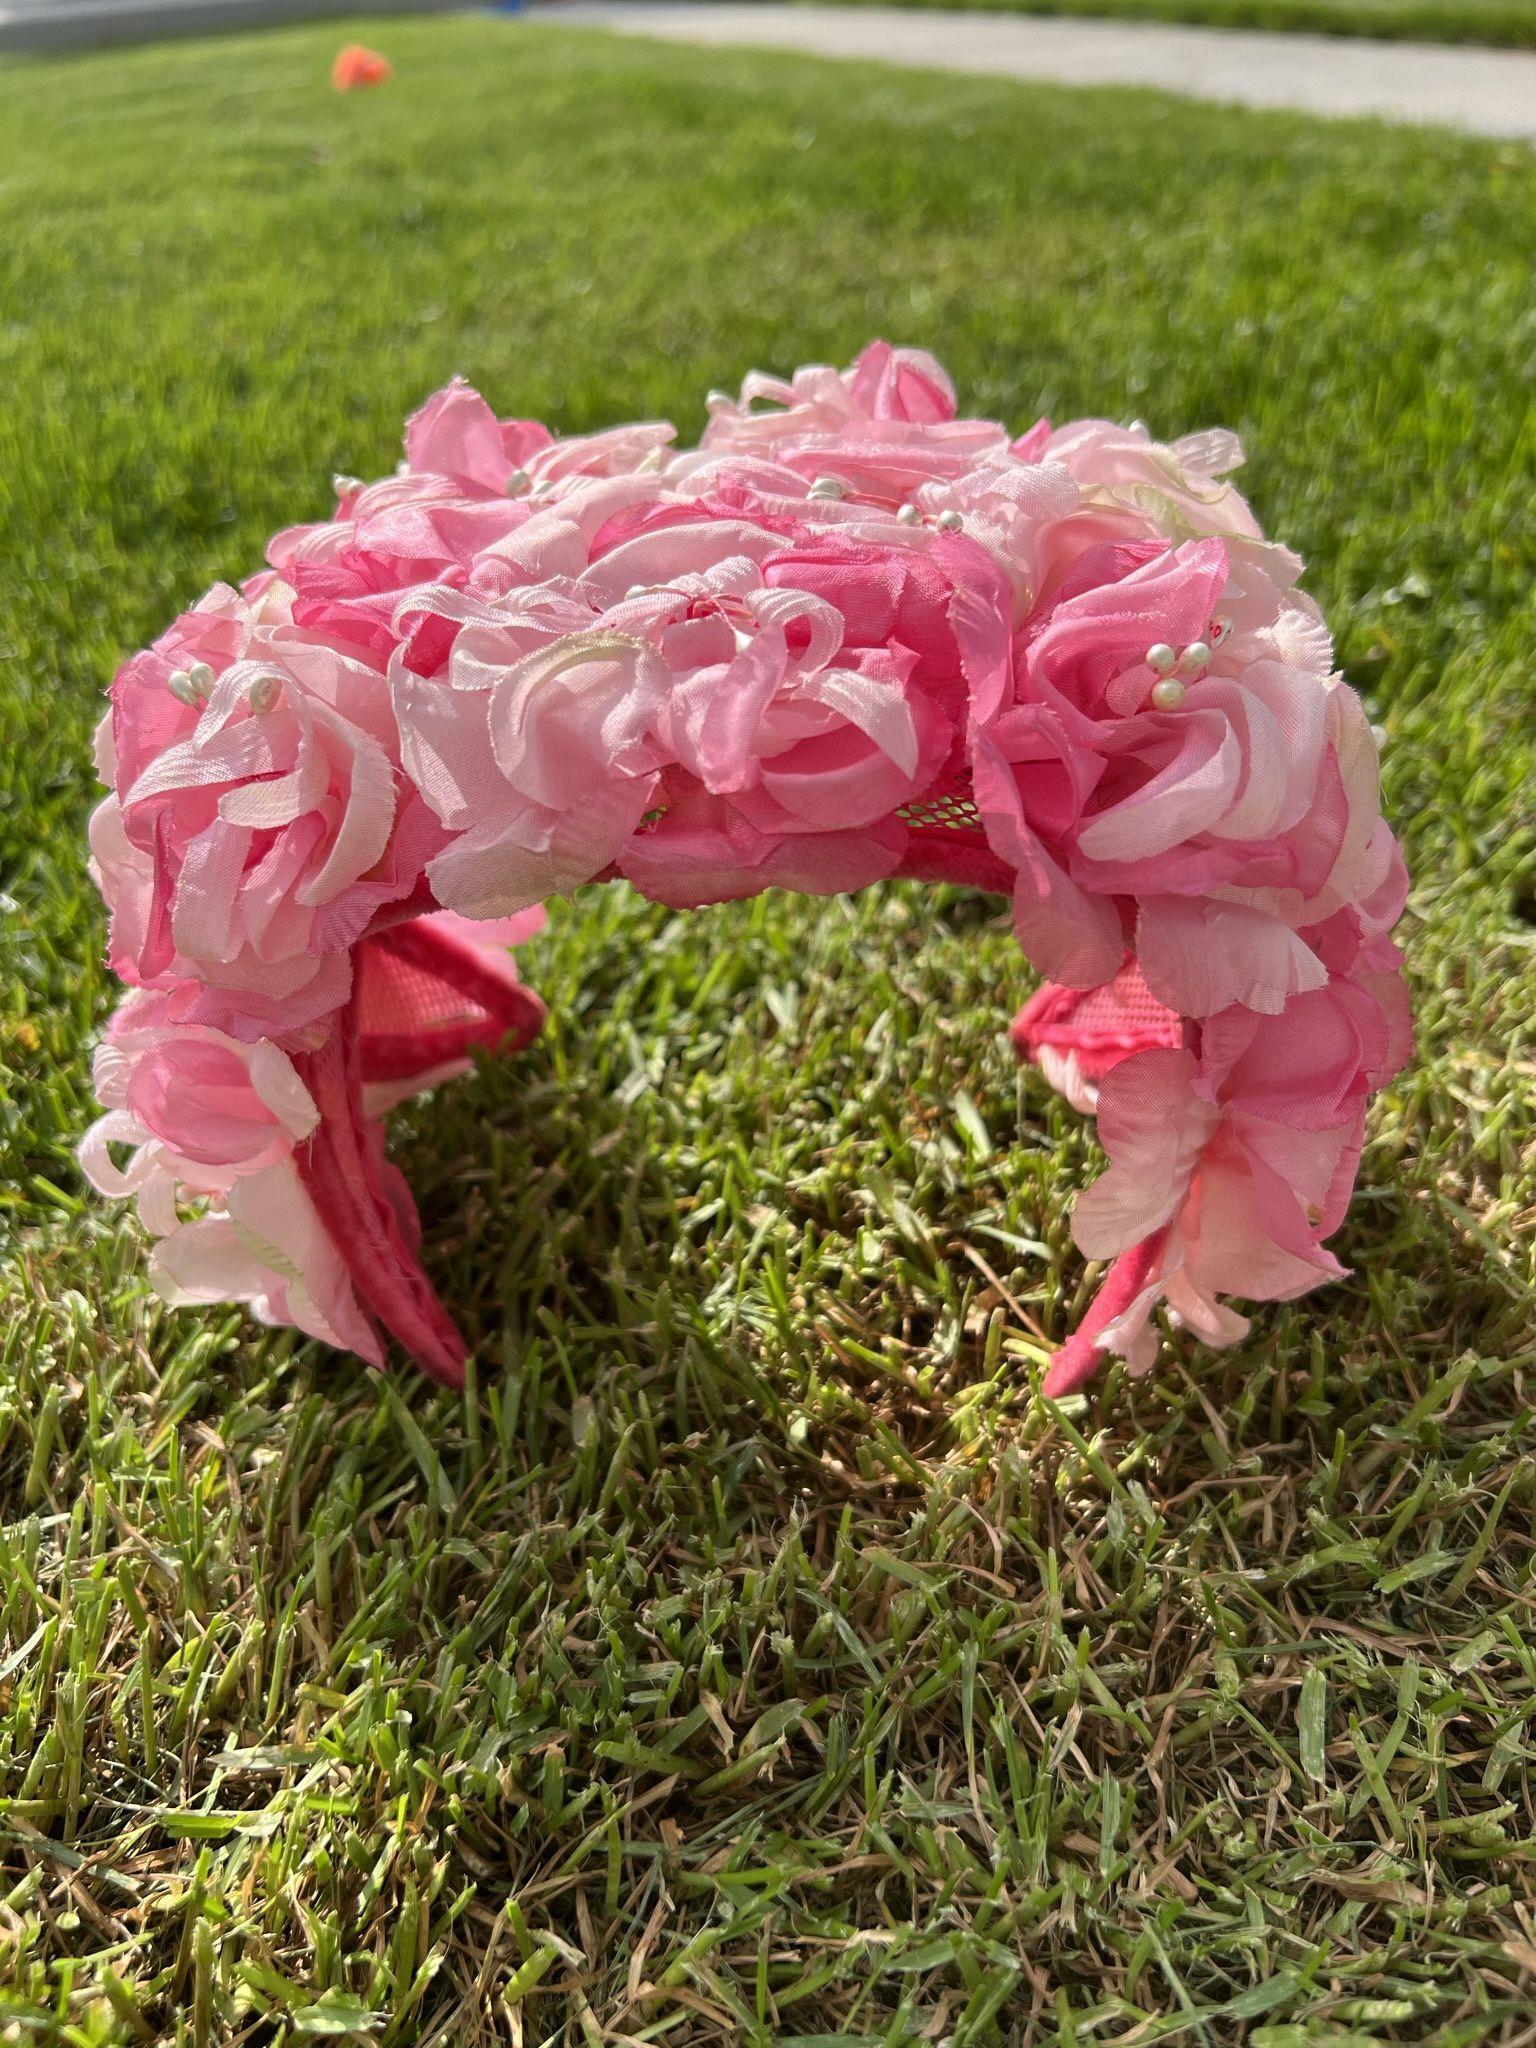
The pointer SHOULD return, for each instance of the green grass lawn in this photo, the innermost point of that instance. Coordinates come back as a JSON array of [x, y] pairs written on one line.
[[1501, 22], [751, 1657]]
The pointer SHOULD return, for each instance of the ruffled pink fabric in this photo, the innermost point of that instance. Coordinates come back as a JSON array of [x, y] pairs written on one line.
[[852, 635]]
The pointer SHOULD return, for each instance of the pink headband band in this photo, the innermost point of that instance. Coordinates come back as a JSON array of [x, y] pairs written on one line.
[[850, 637]]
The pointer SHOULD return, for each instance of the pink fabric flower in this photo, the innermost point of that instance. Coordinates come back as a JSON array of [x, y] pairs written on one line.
[[1221, 816], [1238, 1160], [256, 826], [774, 694], [885, 427], [1131, 487], [213, 1123]]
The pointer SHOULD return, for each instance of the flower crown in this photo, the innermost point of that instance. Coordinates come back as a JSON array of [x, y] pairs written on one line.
[[849, 637]]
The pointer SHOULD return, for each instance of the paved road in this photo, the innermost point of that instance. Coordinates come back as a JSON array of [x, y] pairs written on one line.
[[1492, 92], [81, 24]]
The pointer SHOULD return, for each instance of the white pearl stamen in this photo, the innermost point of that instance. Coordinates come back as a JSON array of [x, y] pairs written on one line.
[[951, 521], [1168, 695], [265, 692], [1160, 658], [519, 484], [743, 640], [179, 683], [828, 487], [1196, 656], [719, 401], [346, 486], [200, 676], [908, 515]]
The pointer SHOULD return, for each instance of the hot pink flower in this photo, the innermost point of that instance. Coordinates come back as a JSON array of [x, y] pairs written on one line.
[[1172, 741], [256, 826]]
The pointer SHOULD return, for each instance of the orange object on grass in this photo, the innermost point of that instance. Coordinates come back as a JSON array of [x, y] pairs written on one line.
[[356, 66]]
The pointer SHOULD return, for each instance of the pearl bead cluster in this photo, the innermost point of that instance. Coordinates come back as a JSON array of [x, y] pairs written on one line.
[[192, 685], [830, 489], [948, 521], [1176, 668]]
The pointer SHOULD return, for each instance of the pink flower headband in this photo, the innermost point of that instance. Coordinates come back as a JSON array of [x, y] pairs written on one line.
[[849, 637]]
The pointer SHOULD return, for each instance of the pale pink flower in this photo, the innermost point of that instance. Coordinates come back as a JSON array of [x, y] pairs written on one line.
[[541, 777], [1237, 1160], [212, 1123], [772, 693], [1179, 488], [882, 428]]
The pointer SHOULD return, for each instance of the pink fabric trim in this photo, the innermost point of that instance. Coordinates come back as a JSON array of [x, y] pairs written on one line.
[[342, 1169], [949, 857], [1079, 1359]]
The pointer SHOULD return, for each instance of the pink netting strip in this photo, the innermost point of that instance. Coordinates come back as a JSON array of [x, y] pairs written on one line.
[[1075, 1036], [426, 997], [343, 1170]]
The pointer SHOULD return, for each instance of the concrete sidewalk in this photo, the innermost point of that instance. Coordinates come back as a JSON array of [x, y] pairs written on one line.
[[1490, 92]]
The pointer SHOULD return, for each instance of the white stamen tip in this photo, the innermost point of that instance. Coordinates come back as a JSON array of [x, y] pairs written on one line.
[[200, 676], [908, 515], [345, 486], [519, 484], [951, 521], [743, 640], [265, 692], [828, 487], [1160, 658], [179, 683], [1196, 656], [719, 401], [1168, 695]]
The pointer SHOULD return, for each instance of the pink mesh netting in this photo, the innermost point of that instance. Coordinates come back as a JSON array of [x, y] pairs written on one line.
[[425, 997]]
